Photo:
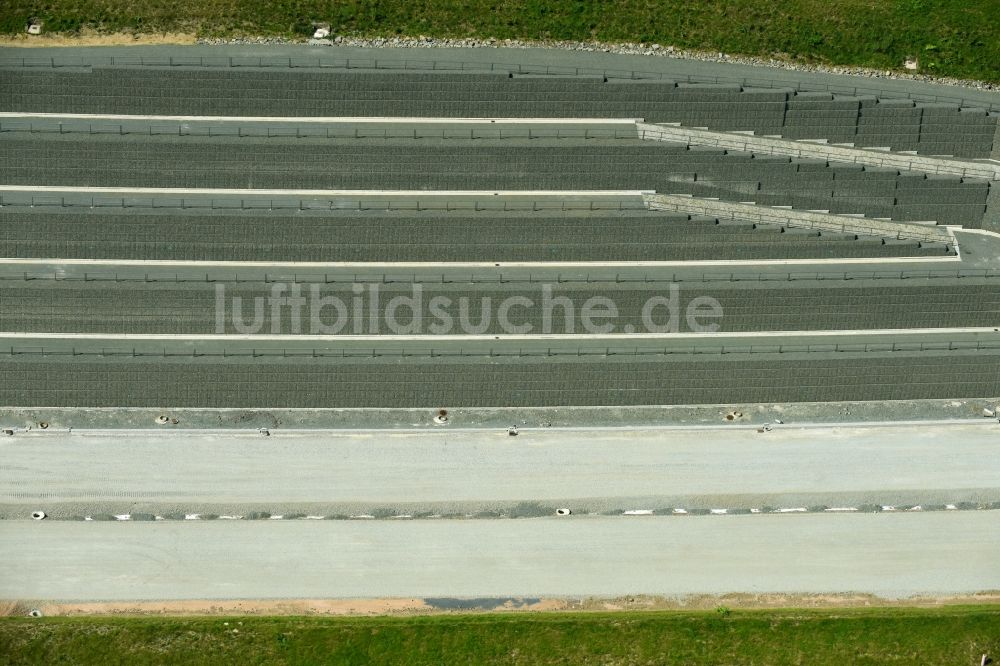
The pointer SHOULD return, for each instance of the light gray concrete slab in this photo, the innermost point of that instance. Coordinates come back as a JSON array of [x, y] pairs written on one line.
[[891, 556], [466, 471], [981, 247], [978, 263], [974, 339]]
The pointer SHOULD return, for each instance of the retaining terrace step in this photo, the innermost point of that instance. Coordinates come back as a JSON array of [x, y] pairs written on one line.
[[425, 237], [233, 91], [250, 164], [798, 149], [829, 222], [427, 381], [51, 306]]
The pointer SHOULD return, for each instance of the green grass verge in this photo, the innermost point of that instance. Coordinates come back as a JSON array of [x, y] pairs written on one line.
[[953, 636], [951, 37]]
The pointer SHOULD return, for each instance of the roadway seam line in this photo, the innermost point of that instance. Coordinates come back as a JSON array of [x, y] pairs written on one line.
[[581, 337], [624, 513]]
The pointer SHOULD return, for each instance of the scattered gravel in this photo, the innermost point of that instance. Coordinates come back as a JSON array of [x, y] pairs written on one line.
[[519, 511], [623, 48]]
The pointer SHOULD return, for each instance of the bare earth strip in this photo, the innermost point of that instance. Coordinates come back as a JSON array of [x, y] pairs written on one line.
[[355, 607], [90, 38]]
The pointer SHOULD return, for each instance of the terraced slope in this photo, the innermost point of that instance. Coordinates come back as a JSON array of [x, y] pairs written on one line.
[[64, 332], [541, 164]]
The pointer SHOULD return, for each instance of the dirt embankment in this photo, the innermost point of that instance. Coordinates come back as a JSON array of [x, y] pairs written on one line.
[[91, 38], [360, 607]]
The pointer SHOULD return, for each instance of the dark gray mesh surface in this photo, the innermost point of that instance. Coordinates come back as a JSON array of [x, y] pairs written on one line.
[[430, 238], [317, 382], [198, 162], [165, 308], [899, 124]]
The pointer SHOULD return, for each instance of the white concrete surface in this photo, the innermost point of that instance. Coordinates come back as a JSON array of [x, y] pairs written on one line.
[[721, 336], [423, 194], [328, 119], [890, 555], [605, 467], [847, 261]]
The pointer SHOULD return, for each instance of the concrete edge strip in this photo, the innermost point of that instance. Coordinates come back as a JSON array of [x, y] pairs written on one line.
[[169, 263], [210, 337], [424, 194], [950, 231], [326, 119]]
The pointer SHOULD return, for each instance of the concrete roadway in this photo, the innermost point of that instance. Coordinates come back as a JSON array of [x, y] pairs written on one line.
[[467, 471], [890, 555]]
